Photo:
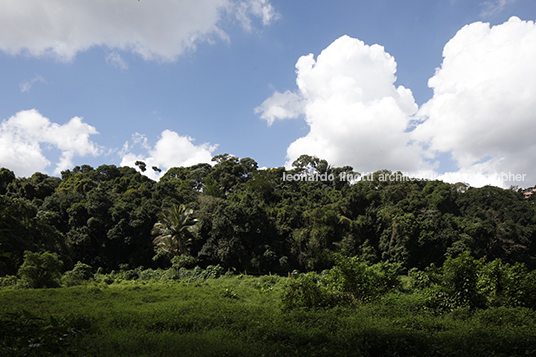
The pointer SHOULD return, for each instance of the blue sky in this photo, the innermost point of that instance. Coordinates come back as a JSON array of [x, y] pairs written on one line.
[[176, 82]]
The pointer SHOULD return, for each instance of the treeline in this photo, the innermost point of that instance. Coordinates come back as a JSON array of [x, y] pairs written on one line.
[[253, 220]]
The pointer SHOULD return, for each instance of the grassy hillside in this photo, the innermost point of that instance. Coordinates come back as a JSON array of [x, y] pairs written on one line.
[[242, 316]]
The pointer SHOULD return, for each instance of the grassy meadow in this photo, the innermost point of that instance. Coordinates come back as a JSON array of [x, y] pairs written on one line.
[[243, 316]]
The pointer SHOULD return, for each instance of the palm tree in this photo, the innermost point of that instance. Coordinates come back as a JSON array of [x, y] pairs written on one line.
[[175, 231]]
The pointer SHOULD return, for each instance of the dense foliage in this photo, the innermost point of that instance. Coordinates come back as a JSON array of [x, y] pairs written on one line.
[[250, 219]]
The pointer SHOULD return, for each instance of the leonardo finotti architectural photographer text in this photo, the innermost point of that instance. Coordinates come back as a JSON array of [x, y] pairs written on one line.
[[388, 176]]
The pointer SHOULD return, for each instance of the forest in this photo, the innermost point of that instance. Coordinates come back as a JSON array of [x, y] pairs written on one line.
[[229, 259], [252, 220]]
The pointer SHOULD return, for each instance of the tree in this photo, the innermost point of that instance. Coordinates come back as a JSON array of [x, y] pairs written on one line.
[[41, 270], [141, 165], [175, 231], [6, 177]]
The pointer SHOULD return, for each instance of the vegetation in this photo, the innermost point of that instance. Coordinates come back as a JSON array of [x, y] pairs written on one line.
[[246, 219], [382, 266], [202, 313]]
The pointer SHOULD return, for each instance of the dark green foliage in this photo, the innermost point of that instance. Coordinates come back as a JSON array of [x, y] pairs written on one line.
[[9, 280], [26, 334], [6, 177], [23, 227], [253, 220], [40, 270]]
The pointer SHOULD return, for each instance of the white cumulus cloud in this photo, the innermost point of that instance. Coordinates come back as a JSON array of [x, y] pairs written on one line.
[[156, 30], [171, 150], [482, 113], [24, 136], [483, 110], [356, 114]]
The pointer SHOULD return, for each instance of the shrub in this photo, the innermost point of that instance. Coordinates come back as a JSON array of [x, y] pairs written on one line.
[[8, 280], [527, 294], [460, 277], [212, 272], [348, 282], [419, 279], [305, 292], [363, 282], [183, 261], [386, 277], [151, 275], [502, 284], [40, 270], [80, 273]]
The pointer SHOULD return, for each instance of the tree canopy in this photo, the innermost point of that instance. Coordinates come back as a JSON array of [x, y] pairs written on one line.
[[259, 220]]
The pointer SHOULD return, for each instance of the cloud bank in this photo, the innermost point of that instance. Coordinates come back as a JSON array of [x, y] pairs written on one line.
[[24, 136], [482, 111], [171, 150], [156, 30]]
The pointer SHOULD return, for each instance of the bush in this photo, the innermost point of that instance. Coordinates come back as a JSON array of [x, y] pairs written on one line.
[[419, 279], [386, 277], [183, 261], [151, 275], [527, 294], [80, 274], [212, 272], [460, 277], [305, 292], [363, 282], [8, 280], [40, 270], [502, 284], [350, 281]]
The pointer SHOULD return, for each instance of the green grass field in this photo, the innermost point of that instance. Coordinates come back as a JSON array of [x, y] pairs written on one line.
[[242, 316]]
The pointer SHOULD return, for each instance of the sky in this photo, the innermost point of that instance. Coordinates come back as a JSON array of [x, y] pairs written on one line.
[[442, 89]]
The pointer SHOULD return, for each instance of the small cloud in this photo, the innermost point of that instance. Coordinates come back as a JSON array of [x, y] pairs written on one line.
[[288, 105], [492, 7], [258, 8], [27, 85], [117, 61]]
